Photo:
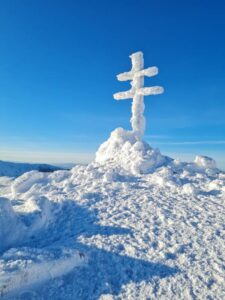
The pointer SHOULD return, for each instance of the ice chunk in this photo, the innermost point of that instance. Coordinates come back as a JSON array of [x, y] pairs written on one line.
[[205, 162]]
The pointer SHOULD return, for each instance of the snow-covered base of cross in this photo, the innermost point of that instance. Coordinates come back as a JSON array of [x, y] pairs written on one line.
[[124, 150]]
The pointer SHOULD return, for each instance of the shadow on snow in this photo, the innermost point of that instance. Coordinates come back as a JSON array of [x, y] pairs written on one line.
[[106, 272]]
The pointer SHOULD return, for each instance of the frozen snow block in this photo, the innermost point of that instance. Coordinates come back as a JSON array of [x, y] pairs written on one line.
[[23, 183], [205, 162]]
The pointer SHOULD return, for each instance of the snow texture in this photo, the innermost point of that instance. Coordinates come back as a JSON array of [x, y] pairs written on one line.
[[106, 231], [11, 229], [205, 162], [124, 150]]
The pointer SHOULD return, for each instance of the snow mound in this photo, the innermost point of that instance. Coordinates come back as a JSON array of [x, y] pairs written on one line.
[[26, 181], [205, 162], [123, 149]]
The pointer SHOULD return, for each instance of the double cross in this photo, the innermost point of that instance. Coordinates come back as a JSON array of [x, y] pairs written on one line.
[[138, 91]]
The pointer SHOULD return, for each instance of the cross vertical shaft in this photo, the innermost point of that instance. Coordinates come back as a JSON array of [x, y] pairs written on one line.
[[138, 91], [138, 106]]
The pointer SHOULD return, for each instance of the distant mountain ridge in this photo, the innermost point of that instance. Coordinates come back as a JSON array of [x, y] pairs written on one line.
[[12, 169]]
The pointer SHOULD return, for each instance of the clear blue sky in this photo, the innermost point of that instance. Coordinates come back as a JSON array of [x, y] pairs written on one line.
[[58, 66]]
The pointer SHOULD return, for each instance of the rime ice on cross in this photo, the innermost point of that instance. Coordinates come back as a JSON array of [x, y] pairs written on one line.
[[138, 91]]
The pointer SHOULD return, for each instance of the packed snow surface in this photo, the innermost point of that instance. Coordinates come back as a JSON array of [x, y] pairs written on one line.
[[134, 224]]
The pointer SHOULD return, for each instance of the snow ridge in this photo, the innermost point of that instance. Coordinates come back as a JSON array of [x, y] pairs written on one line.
[[11, 169]]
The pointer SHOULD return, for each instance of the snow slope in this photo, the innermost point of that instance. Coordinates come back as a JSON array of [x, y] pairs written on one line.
[[115, 229], [12, 169]]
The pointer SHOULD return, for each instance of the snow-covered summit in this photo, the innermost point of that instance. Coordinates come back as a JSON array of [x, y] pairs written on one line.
[[133, 224], [133, 236], [124, 148]]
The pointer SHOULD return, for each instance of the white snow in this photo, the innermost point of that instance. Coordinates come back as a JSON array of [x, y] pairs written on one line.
[[34, 266], [11, 228], [123, 149], [133, 224], [24, 182], [205, 162]]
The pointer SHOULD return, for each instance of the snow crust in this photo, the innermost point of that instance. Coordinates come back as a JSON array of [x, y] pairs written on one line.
[[111, 231], [133, 224], [35, 266]]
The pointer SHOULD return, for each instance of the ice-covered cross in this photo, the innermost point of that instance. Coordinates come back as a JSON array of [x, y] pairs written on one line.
[[138, 91]]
